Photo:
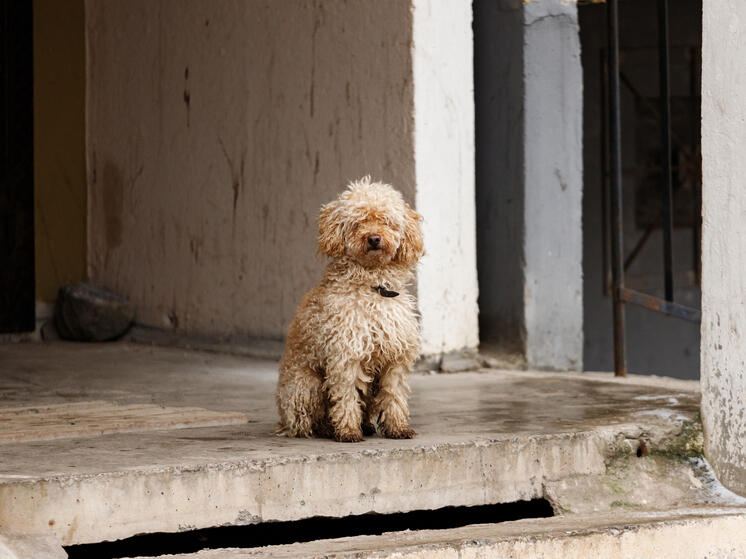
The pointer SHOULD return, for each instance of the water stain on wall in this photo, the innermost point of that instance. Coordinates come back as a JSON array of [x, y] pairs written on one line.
[[113, 204]]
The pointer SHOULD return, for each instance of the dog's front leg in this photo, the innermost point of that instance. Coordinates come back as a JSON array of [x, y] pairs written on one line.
[[392, 401], [345, 411]]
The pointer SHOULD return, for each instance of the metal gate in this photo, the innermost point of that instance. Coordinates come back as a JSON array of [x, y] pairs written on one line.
[[621, 295]]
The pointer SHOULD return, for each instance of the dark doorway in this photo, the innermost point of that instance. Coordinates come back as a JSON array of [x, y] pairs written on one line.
[[17, 288], [656, 343], [499, 158]]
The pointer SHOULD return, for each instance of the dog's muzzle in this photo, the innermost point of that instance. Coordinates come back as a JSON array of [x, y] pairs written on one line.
[[374, 242]]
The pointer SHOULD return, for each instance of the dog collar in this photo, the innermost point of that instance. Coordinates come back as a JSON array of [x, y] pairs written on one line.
[[384, 292]]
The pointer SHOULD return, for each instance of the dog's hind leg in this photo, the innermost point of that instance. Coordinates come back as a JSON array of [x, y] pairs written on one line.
[[300, 401]]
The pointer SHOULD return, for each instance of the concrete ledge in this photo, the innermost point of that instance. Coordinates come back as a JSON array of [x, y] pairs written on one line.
[[30, 547], [483, 437], [82, 508]]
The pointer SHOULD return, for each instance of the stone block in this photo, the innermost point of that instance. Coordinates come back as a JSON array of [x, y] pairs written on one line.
[[91, 313]]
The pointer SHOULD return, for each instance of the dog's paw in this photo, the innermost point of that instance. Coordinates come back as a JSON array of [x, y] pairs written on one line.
[[348, 436], [290, 432], [368, 429], [324, 431], [399, 433]]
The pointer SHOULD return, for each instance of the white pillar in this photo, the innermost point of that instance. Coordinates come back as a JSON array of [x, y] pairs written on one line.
[[444, 171], [723, 351]]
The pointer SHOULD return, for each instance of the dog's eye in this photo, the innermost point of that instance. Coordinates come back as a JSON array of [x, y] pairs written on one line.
[[392, 223]]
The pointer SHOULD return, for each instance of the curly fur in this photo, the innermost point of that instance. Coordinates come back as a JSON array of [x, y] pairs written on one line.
[[349, 349]]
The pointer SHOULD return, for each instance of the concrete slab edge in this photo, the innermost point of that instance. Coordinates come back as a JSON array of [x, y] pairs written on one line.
[[30, 546], [91, 508]]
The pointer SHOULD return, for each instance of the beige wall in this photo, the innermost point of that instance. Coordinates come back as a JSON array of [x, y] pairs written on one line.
[[216, 129], [59, 145]]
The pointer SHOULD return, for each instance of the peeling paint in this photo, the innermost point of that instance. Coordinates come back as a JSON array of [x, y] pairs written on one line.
[[112, 204]]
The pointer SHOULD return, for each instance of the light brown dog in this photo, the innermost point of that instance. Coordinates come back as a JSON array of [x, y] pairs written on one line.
[[354, 337]]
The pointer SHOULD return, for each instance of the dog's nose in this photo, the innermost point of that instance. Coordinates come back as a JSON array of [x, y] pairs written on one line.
[[374, 241]]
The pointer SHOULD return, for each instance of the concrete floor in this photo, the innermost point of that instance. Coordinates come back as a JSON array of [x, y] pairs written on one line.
[[483, 437]]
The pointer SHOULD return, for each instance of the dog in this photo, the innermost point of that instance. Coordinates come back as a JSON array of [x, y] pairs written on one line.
[[353, 339]]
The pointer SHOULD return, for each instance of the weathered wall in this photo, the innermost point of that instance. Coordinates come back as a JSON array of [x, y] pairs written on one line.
[[59, 145], [216, 130], [444, 159], [723, 351], [529, 179]]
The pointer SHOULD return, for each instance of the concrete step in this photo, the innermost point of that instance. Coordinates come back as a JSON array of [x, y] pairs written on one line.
[[696, 533], [31, 547], [483, 438]]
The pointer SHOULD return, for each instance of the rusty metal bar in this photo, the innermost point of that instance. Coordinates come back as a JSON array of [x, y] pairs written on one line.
[[697, 185], [659, 305], [640, 243], [615, 157], [665, 111]]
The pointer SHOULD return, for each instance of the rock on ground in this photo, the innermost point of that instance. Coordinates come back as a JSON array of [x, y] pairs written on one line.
[[91, 313]]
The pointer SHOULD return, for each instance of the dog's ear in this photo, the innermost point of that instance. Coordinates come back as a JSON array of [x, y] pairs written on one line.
[[331, 230], [411, 247]]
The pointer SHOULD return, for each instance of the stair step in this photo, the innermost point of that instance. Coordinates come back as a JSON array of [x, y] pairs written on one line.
[[679, 534]]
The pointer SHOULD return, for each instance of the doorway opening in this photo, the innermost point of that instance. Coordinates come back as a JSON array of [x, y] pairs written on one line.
[[656, 343], [17, 287]]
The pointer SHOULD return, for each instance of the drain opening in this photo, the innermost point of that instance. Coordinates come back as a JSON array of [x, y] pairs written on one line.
[[310, 529]]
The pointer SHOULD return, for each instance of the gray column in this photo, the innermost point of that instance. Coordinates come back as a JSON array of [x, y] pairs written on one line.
[[529, 178], [723, 350]]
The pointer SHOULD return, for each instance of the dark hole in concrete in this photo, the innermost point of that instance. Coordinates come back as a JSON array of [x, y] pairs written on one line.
[[317, 528], [642, 450]]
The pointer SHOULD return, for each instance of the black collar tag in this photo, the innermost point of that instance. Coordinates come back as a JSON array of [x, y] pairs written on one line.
[[385, 292]]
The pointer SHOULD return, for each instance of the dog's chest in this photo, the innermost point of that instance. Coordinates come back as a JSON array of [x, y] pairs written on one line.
[[387, 318], [392, 328], [373, 327]]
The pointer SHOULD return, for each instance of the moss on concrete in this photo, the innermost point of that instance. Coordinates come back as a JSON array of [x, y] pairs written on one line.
[[689, 443], [624, 505], [613, 485]]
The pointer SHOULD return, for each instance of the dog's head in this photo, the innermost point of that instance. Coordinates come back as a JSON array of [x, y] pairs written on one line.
[[371, 223]]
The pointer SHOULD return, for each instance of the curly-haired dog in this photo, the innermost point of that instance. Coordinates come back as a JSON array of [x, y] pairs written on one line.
[[355, 335]]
